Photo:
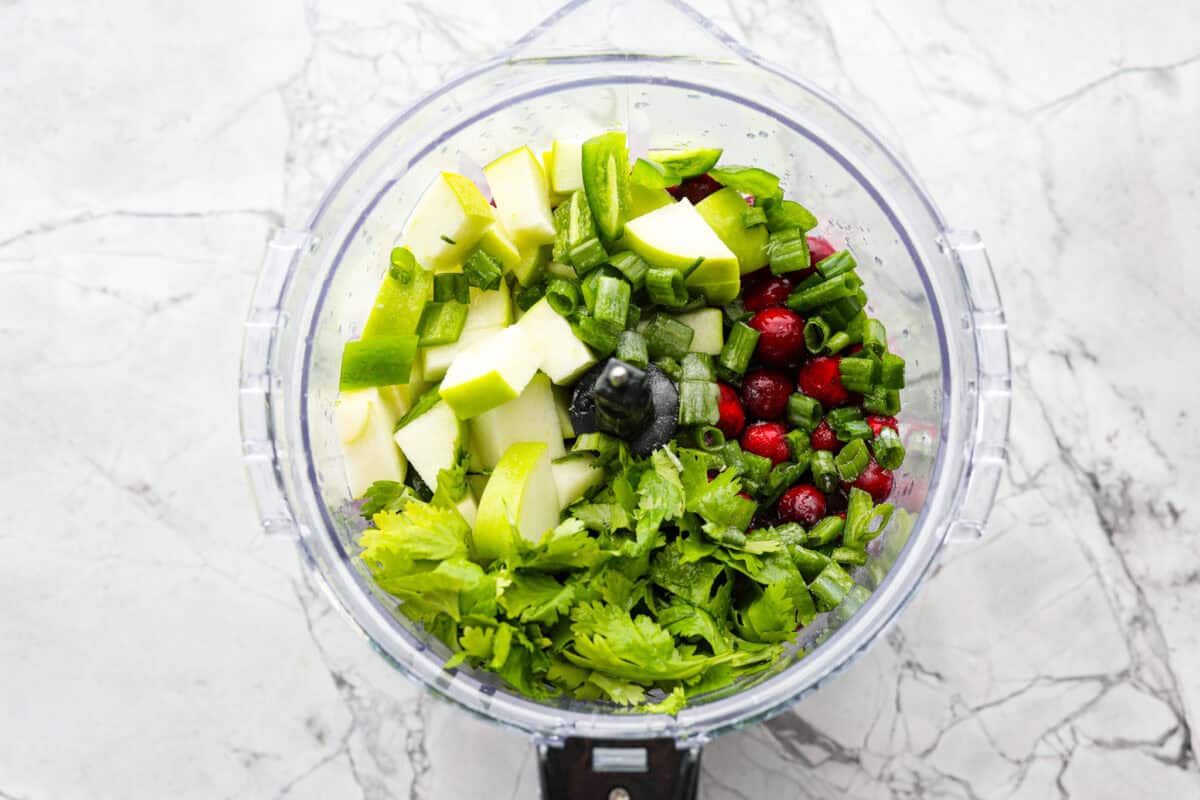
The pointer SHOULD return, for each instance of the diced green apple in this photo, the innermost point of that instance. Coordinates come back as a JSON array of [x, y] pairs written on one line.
[[566, 171], [448, 222], [532, 417], [677, 236], [723, 211], [364, 423], [489, 309], [562, 400], [522, 197], [533, 264], [398, 304], [431, 441], [520, 499], [490, 373], [436, 360], [499, 245], [708, 330], [643, 200], [574, 477], [561, 354]]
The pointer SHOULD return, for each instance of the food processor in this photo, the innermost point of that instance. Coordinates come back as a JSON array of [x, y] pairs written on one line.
[[668, 76]]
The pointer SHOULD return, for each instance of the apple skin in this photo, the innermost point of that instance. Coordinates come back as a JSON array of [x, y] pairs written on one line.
[[675, 236], [562, 355], [490, 372], [708, 330], [447, 222], [723, 211], [520, 499]]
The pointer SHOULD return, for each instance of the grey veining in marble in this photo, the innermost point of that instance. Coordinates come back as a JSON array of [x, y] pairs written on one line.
[[154, 644]]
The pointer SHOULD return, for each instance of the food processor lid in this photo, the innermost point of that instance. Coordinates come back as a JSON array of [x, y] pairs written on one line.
[[623, 37]]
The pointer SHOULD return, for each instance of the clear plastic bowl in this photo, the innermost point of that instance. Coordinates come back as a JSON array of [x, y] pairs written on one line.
[[595, 66]]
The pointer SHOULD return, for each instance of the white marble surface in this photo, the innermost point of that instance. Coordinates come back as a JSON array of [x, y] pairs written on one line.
[[154, 644]]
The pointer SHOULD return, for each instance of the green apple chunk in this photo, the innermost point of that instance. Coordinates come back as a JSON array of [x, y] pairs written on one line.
[[364, 421], [448, 222], [380, 361], [533, 264], [677, 236], [566, 170], [561, 354], [431, 441], [520, 498], [490, 373], [436, 360], [398, 304], [707, 329], [562, 401], [522, 197], [532, 417], [643, 200], [499, 245], [574, 476], [723, 211], [489, 309]]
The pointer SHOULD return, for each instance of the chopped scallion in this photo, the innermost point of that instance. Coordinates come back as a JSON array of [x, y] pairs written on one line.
[[823, 293], [483, 271], [666, 286], [787, 251], [698, 367], [816, 334], [632, 266], [789, 214], [891, 372], [803, 412], [753, 215], [874, 338], [441, 323], [824, 532], [598, 335], [451, 286], [612, 301], [852, 459], [631, 348], [889, 450], [824, 471], [704, 437], [563, 295], [667, 337], [738, 348], [698, 402]]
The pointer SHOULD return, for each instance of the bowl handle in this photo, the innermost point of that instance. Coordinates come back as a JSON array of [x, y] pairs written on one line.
[[613, 769]]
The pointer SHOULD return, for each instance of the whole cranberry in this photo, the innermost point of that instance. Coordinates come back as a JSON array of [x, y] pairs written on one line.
[[765, 393], [876, 481], [819, 249], [732, 417], [823, 438], [836, 502], [821, 379], [695, 189], [802, 503], [781, 336], [768, 291], [878, 423], [766, 439]]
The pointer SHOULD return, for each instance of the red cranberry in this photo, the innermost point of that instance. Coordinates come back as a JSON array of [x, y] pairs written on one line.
[[803, 503], [781, 336], [876, 481], [823, 438], [732, 418], [836, 502], [821, 379], [819, 249], [878, 423], [695, 189], [767, 292], [766, 439], [853, 349], [765, 393]]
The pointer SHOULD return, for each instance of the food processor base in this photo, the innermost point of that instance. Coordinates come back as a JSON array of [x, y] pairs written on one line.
[[602, 769]]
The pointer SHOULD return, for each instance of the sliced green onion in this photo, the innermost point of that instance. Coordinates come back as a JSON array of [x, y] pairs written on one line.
[[823, 293], [848, 555], [653, 175], [634, 316], [738, 348], [671, 367], [598, 335], [787, 251], [587, 255], [856, 429], [594, 442], [803, 412], [824, 532], [840, 416], [563, 295], [527, 296], [753, 215], [747, 180], [891, 372], [789, 214], [451, 286], [667, 337], [441, 323], [831, 587], [816, 334], [704, 437], [782, 476], [809, 562], [837, 263], [755, 468], [698, 367], [812, 280], [483, 271], [824, 471], [698, 402], [378, 361], [860, 511], [632, 266], [874, 338], [612, 301], [402, 264], [666, 286], [882, 401], [856, 373], [889, 450], [696, 300], [561, 249], [631, 348], [799, 444], [852, 459]]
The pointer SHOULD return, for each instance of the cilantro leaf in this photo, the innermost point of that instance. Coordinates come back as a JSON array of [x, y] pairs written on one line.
[[385, 496], [622, 692], [426, 594], [771, 617], [690, 622], [419, 532], [672, 704], [610, 640], [691, 580], [565, 547], [535, 597]]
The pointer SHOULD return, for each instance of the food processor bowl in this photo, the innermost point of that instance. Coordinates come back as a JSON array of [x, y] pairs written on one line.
[[668, 76]]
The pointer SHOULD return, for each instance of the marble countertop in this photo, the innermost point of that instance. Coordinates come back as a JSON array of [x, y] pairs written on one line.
[[155, 644]]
